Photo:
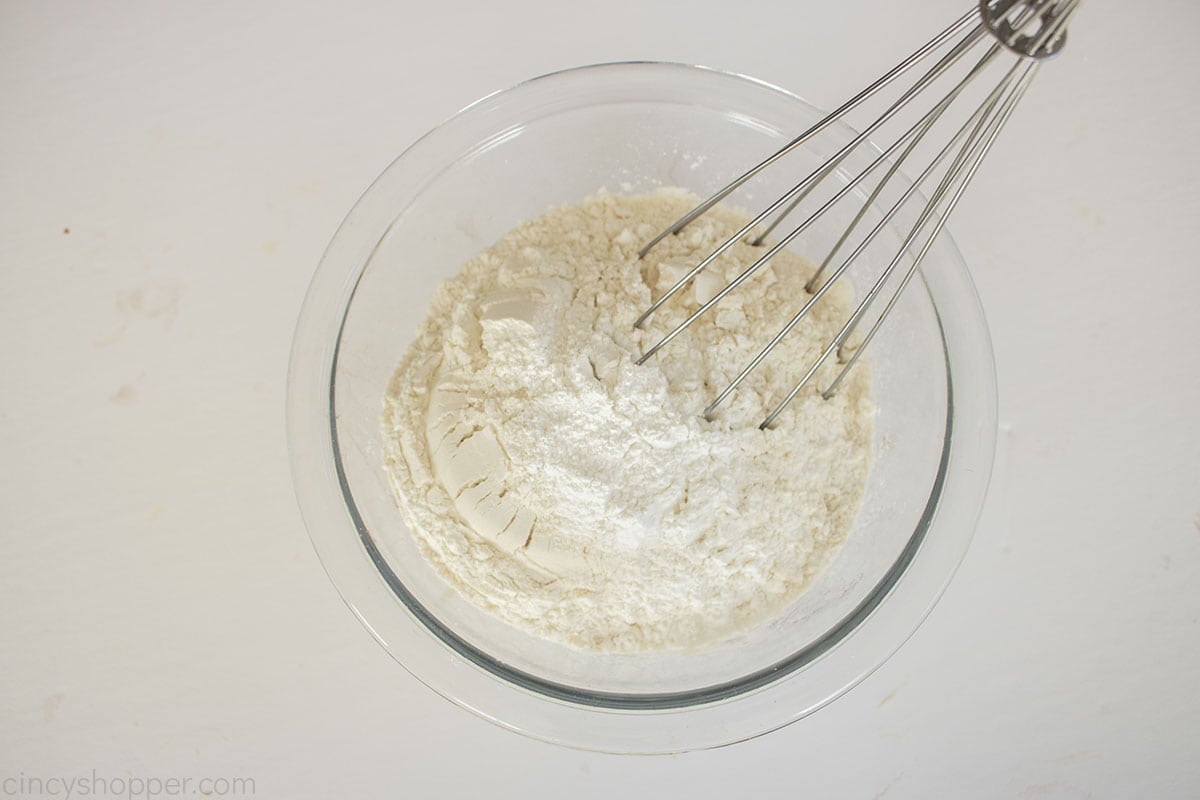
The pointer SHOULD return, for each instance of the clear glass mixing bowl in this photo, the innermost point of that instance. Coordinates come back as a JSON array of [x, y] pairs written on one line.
[[556, 139]]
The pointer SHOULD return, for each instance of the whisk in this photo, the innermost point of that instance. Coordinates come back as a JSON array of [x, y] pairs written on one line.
[[1024, 31]]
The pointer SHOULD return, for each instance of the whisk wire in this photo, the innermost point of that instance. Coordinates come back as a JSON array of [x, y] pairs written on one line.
[[821, 172], [760, 262], [882, 82], [818, 174], [978, 118], [933, 113], [1033, 29], [961, 170], [925, 125]]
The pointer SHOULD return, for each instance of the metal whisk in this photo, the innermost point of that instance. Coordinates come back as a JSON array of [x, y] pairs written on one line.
[[1026, 31]]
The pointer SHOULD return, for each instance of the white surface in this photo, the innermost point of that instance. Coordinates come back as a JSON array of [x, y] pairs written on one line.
[[161, 610]]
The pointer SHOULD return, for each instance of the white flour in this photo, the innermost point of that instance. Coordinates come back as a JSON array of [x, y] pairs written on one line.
[[580, 497]]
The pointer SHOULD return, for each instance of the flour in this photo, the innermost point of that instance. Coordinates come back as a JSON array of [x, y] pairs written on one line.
[[583, 498]]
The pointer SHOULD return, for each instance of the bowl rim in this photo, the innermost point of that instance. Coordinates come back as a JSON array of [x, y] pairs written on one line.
[[443, 661]]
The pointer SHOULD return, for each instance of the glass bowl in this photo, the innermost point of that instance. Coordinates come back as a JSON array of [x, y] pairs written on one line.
[[556, 139]]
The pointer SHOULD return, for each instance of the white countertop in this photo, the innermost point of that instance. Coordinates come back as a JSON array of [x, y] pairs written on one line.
[[162, 613]]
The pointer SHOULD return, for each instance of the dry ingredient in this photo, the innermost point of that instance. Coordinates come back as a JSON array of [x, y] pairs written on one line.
[[583, 498]]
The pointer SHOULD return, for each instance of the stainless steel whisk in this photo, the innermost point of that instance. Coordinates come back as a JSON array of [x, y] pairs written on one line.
[[1028, 31]]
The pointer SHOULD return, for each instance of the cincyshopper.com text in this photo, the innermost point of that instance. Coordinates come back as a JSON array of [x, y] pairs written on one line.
[[130, 787]]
